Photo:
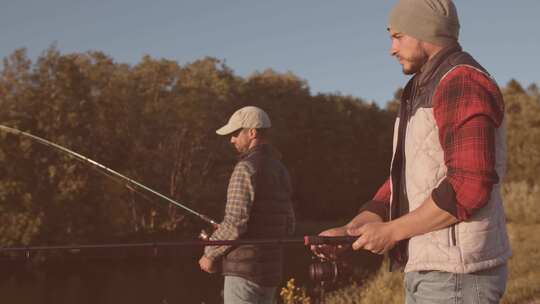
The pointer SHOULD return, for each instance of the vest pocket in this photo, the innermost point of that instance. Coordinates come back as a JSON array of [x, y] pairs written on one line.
[[446, 237]]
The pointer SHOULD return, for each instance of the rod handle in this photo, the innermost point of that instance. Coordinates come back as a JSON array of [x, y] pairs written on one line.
[[328, 240]]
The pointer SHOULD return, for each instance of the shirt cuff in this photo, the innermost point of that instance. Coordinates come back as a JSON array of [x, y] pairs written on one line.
[[379, 208], [212, 252], [444, 197]]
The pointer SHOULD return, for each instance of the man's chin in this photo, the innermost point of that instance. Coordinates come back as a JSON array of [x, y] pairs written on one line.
[[408, 71]]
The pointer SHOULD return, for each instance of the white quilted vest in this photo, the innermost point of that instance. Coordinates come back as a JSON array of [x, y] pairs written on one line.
[[481, 242]]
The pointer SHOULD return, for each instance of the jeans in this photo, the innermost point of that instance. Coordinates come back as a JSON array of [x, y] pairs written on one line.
[[485, 286], [238, 290]]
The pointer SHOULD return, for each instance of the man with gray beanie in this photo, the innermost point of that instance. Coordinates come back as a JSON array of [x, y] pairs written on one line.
[[440, 215], [258, 206]]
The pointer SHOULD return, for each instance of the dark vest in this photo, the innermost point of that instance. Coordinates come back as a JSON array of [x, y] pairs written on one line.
[[263, 264], [418, 93]]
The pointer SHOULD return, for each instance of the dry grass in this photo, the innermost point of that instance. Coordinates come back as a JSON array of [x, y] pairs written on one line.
[[521, 202], [524, 278], [523, 213], [384, 288]]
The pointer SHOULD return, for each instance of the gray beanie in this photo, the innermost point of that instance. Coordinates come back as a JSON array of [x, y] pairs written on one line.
[[434, 21]]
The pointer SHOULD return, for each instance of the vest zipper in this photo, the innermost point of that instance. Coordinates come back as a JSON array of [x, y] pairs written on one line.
[[453, 235], [402, 127]]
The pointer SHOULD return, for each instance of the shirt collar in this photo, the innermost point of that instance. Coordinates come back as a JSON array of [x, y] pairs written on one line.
[[258, 148], [427, 72]]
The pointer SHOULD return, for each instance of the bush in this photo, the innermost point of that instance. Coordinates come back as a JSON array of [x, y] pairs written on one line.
[[292, 294]]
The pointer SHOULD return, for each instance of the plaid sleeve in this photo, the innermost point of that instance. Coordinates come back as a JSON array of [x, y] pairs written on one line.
[[380, 203], [240, 196], [468, 107]]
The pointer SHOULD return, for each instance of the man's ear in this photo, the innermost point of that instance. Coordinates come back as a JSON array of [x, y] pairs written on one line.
[[252, 133]]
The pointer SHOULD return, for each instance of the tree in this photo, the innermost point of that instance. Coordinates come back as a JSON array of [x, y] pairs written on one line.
[[523, 132]]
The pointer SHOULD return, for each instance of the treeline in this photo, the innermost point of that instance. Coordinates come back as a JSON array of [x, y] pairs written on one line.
[[155, 122]]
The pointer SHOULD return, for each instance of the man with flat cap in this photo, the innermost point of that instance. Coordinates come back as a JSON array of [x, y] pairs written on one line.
[[258, 206], [439, 215]]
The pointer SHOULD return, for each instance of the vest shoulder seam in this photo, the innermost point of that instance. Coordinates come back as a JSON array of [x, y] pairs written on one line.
[[464, 65]]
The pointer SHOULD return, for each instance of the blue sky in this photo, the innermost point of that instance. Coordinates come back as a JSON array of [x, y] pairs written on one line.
[[336, 46]]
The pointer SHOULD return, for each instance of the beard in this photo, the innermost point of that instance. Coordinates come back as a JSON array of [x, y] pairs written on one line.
[[410, 70], [414, 62]]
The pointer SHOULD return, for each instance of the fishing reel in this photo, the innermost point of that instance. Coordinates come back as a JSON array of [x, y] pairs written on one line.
[[327, 272], [204, 235], [330, 264], [332, 271]]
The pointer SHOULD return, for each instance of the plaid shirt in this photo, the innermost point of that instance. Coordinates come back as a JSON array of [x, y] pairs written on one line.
[[468, 107], [240, 197]]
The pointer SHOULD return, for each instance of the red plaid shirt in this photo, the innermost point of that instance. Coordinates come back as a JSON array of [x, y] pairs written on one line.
[[468, 107]]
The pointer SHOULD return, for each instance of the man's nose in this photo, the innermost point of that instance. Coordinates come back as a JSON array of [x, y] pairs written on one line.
[[393, 49]]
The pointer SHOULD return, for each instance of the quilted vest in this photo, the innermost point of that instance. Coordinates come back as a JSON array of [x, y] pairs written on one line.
[[263, 264], [477, 243]]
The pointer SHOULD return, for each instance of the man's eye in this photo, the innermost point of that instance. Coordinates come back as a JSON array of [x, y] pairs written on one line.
[[236, 133]]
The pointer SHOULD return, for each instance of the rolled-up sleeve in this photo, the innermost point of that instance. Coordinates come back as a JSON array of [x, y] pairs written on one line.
[[468, 108]]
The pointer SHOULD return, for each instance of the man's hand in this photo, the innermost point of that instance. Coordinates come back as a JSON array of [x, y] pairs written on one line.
[[332, 251], [375, 237], [207, 265]]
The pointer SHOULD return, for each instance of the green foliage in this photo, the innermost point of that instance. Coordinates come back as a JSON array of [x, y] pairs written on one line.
[[18, 229], [155, 122], [142, 121]]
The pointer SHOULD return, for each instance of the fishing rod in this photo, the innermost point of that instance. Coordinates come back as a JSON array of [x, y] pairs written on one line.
[[308, 240], [321, 270], [105, 170]]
